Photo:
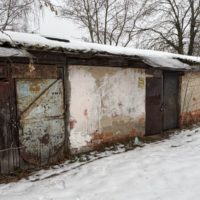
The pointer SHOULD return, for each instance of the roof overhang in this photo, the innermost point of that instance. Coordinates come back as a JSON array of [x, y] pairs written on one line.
[[14, 52]]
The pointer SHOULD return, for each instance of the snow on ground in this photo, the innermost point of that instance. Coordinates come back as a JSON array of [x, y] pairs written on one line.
[[163, 170]]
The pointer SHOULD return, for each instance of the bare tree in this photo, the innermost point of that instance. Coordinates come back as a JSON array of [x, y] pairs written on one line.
[[170, 25], [107, 21], [18, 15]]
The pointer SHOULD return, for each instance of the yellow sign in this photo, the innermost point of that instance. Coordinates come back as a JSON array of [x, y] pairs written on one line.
[[141, 83]]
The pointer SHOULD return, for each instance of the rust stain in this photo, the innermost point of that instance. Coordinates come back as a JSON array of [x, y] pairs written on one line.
[[42, 121], [194, 99], [85, 113], [44, 139], [35, 89], [29, 157], [38, 101]]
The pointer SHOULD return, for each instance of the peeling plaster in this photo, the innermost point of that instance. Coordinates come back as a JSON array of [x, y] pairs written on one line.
[[79, 139], [189, 93], [101, 96], [84, 96]]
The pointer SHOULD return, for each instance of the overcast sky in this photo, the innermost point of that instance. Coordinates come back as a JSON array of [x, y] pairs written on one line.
[[53, 26]]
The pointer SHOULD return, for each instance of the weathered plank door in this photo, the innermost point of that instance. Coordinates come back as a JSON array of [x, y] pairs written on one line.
[[170, 100], [4, 125], [40, 108], [9, 155], [153, 106]]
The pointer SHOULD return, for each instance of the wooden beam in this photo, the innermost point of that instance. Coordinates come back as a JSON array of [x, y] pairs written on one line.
[[40, 57], [46, 57], [117, 62]]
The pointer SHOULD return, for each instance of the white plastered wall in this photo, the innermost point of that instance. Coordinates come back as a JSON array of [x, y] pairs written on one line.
[[102, 96]]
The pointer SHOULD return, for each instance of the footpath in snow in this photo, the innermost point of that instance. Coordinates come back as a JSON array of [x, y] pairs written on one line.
[[164, 170]]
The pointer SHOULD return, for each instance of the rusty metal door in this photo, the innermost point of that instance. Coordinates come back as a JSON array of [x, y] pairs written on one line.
[[41, 115], [170, 100], [153, 106]]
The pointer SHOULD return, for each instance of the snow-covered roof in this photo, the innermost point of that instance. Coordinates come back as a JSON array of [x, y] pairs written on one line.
[[11, 52], [153, 58]]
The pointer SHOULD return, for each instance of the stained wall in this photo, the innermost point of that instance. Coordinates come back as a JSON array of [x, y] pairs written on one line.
[[189, 98], [106, 104]]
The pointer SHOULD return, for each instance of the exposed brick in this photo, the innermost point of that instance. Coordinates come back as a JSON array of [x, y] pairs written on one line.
[[138, 134], [131, 134], [107, 140], [98, 136], [142, 133], [197, 112], [184, 114], [141, 120], [114, 138], [133, 130], [195, 116], [194, 99], [189, 117], [108, 134]]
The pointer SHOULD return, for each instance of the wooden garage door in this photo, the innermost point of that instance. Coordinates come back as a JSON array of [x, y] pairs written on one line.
[[40, 110], [9, 155]]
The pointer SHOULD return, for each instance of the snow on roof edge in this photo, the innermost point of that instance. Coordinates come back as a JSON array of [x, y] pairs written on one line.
[[158, 62], [11, 52], [26, 40]]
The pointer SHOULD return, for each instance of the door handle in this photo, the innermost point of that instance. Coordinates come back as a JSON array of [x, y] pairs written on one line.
[[164, 104]]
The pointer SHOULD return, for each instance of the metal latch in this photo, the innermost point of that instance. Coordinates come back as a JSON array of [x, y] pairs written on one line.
[[13, 123]]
